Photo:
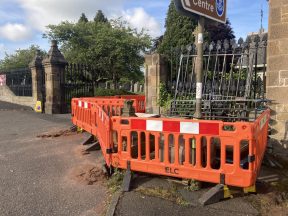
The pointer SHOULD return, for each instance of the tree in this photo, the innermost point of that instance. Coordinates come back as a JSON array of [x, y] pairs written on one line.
[[20, 59], [100, 17], [83, 18], [179, 31], [112, 48], [220, 31], [156, 43]]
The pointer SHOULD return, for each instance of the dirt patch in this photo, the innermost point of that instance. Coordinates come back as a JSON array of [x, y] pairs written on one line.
[[272, 197], [273, 203], [87, 174], [56, 134], [80, 151]]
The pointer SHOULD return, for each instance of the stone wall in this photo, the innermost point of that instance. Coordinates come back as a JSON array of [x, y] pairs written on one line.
[[277, 75], [8, 96]]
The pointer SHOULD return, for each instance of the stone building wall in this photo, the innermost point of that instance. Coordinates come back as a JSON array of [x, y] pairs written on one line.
[[277, 75]]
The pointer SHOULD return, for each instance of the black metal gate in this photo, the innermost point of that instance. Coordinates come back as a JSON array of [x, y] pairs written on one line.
[[232, 72], [80, 81]]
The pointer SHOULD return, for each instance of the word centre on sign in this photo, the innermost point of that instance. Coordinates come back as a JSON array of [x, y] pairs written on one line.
[[201, 4]]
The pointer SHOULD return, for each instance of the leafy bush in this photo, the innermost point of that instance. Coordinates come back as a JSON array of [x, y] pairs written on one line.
[[165, 98]]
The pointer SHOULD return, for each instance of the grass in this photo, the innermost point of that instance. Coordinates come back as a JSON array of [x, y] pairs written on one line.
[[193, 185], [115, 182]]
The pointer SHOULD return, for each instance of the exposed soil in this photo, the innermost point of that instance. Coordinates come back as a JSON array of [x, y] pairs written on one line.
[[273, 203], [87, 174], [80, 151], [272, 197], [56, 134]]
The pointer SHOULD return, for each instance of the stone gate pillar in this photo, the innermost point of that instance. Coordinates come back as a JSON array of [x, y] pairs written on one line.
[[155, 73], [54, 65], [36, 71]]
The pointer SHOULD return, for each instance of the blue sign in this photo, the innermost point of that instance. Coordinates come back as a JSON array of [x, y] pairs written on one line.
[[220, 7]]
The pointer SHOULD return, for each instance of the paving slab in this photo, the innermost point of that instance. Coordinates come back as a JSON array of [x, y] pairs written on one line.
[[136, 202], [133, 203]]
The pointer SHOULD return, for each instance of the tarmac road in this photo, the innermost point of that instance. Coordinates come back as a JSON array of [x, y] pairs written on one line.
[[34, 172]]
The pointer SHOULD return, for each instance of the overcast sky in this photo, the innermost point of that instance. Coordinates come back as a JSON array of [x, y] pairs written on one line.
[[22, 22]]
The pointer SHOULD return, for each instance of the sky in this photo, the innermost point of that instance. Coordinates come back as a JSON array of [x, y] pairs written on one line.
[[23, 22]]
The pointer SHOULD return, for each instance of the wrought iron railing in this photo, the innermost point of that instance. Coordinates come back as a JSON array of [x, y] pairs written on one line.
[[19, 81], [80, 81], [233, 79]]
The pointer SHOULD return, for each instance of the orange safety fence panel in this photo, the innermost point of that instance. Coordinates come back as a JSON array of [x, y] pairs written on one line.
[[139, 101], [201, 150], [93, 115], [211, 151]]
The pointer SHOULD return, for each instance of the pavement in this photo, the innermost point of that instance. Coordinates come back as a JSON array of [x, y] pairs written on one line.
[[40, 176], [142, 203]]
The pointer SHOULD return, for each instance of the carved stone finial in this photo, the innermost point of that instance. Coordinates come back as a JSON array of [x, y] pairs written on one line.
[[54, 43], [54, 55], [37, 60]]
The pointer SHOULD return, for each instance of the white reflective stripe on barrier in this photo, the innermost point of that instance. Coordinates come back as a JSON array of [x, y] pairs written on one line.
[[154, 125], [189, 127]]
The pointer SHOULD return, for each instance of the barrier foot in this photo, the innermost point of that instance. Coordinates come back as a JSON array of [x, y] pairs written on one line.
[[215, 195], [127, 178], [249, 190], [79, 130], [88, 140], [93, 146]]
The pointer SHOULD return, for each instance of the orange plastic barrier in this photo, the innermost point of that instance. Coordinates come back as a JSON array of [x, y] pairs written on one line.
[[210, 151]]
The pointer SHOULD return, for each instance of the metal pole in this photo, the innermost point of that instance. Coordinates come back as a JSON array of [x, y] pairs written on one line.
[[256, 72], [199, 67]]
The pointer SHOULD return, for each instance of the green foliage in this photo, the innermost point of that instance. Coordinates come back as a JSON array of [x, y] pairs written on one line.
[[156, 43], [235, 75], [115, 182], [124, 80], [83, 18], [239, 75], [179, 31], [165, 98], [112, 48], [20, 59], [194, 185], [220, 31], [111, 92], [100, 17]]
